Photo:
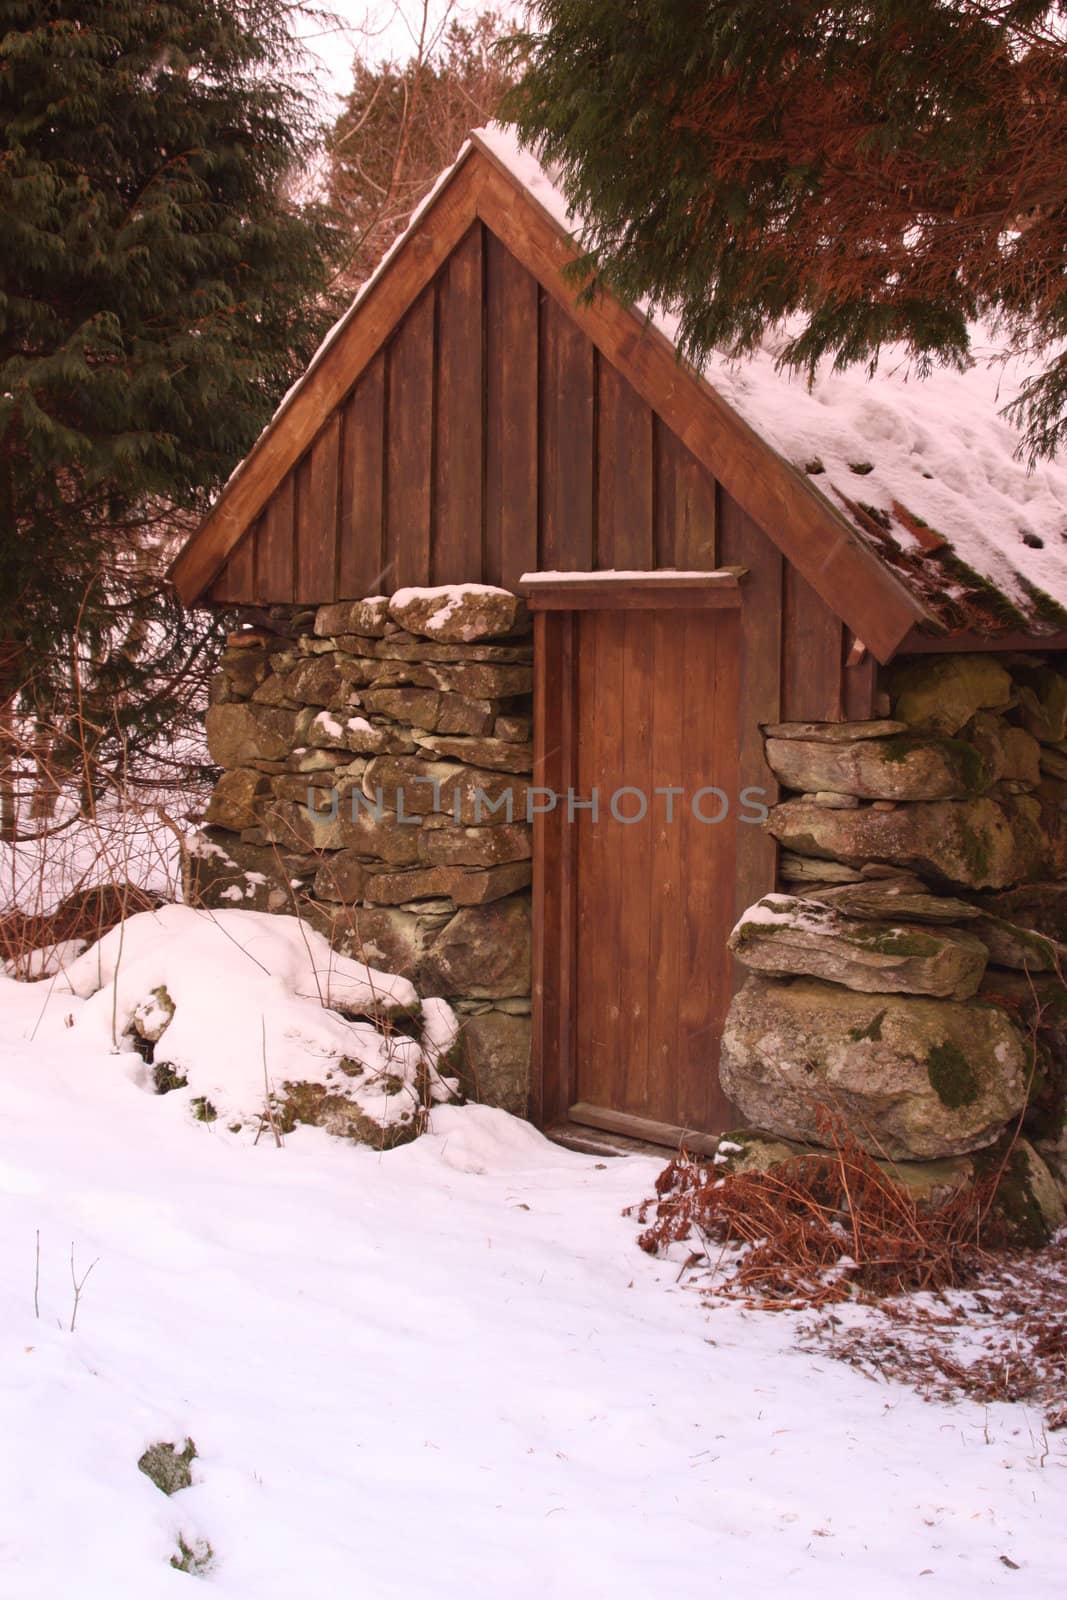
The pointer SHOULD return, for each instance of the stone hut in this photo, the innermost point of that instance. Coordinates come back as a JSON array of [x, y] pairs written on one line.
[[656, 718]]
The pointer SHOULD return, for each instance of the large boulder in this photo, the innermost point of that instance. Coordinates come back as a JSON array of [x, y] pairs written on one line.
[[456, 613], [976, 844], [915, 1079], [939, 694], [900, 768], [786, 937]]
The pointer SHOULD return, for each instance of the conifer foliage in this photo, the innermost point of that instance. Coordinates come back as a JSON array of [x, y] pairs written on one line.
[[160, 287], [884, 172]]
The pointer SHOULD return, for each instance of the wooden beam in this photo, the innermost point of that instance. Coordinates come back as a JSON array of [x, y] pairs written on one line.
[[808, 530], [357, 339], [564, 591]]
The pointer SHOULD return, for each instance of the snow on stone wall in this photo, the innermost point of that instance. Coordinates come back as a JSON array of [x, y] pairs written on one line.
[[376, 757]]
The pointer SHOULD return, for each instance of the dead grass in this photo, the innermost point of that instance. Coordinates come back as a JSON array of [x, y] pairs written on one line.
[[821, 1227], [941, 1298], [1002, 1339]]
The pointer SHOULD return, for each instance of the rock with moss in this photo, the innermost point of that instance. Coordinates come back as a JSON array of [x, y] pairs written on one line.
[[195, 1556], [1029, 1206], [977, 844], [151, 1018], [1027, 1209], [904, 767], [939, 694], [903, 897], [786, 936], [169, 1468], [328, 1106], [1011, 945], [915, 1079]]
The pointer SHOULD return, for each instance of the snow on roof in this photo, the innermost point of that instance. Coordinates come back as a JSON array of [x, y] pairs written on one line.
[[926, 469]]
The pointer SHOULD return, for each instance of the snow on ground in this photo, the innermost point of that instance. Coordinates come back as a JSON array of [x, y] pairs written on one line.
[[444, 1371]]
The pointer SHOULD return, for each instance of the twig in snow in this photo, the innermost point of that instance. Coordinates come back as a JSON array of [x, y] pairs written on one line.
[[78, 1285], [267, 1116]]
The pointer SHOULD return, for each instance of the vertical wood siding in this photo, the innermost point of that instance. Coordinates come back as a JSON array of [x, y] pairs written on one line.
[[489, 437]]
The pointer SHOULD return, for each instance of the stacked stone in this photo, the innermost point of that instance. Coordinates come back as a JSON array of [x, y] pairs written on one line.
[[375, 758], [920, 946]]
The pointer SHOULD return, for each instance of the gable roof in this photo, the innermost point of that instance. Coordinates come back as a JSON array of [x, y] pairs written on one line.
[[900, 502]]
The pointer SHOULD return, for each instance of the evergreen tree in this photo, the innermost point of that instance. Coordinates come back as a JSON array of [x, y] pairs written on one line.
[[160, 287], [402, 124], [885, 172]]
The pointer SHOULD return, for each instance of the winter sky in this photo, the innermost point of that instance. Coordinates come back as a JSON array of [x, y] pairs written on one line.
[[375, 28]]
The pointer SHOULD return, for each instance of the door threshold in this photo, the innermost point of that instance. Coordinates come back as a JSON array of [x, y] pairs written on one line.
[[656, 1135], [591, 1142]]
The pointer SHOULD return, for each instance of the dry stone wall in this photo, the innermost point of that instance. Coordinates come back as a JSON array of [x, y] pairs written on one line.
[[375, 762], [911, 972]]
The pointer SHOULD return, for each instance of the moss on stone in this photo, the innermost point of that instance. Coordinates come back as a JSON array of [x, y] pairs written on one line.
[[1016, 1206], [196, 1558], [873, 1030], [169, 1468], [951, 1075], [975, 849], [895, 941], [166, 1077]]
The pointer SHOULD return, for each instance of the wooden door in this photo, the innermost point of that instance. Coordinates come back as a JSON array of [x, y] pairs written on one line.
[[649, 874]]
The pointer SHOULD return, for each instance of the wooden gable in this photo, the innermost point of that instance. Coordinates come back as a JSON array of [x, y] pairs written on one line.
[[469, 406], [489, 436]]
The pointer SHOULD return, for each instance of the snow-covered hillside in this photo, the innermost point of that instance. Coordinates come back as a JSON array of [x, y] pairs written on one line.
[[444, 1371]]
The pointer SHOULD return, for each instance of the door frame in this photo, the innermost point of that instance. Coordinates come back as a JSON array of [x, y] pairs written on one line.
[[557, 600]]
